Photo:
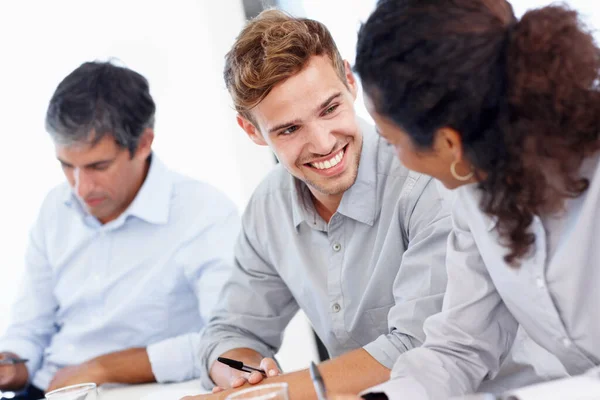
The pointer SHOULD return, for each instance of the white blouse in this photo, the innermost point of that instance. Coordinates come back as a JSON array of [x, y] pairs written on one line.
[[553, 296]]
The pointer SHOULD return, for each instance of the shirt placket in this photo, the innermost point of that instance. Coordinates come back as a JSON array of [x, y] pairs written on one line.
[[100, 270], [334, 278], [569, 354]]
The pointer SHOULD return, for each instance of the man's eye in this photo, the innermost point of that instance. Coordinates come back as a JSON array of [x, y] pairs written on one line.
[[100, 167], [331, 109], [289, 130]]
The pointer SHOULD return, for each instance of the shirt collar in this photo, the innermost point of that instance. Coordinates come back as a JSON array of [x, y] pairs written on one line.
[[302, 205], [152, 202], [359, 202]]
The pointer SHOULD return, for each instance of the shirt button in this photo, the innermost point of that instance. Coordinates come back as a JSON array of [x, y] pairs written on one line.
[[540, 283], [566, 342], [337, 247], [336, 308]]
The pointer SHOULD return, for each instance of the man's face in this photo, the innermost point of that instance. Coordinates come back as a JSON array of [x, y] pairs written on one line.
[[104, 176], [309, 122]]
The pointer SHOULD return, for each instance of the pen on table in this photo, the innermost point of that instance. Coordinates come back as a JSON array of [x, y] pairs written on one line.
[[235, 364], [13, 361], [317, 381]]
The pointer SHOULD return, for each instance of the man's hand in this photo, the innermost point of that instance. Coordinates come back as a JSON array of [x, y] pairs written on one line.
[[240, 378], [350, 373], [12, 377], [90, 371], [226, 377]]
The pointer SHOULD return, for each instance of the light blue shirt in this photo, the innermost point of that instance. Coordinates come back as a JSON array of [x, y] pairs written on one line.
[[150, 278]]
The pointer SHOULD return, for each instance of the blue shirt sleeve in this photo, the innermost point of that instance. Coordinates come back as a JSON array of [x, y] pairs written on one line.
[[207, 261], [33, 319]]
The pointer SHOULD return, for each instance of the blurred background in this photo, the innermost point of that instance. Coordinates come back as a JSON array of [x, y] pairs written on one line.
[[179, 46]]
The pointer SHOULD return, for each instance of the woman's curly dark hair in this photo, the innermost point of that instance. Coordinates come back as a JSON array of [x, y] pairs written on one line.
[[523, 95]]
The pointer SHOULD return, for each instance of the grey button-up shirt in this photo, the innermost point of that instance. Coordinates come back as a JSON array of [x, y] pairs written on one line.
[[553, 296], [367, 279]]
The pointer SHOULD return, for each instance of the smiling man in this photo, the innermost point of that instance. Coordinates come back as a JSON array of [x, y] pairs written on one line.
[[339, 229], [125, 259]]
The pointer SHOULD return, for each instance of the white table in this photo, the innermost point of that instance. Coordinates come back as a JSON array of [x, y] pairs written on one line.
[[152, 391]]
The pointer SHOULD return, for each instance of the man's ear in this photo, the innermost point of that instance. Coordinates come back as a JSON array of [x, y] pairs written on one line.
[[144, 147], [350, 79], [251, 130]]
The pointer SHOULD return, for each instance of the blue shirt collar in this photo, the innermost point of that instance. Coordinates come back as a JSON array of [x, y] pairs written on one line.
[[152, 202]]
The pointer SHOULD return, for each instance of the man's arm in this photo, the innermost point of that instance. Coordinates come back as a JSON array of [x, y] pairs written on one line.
[[33, 314], [127, 366], [207, 260], [465, 342], [418, 288], [205, 256], [420, 282], [349, 373], [254, 307]]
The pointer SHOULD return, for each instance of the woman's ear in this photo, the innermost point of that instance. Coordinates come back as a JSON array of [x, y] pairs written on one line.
[[448, 143]]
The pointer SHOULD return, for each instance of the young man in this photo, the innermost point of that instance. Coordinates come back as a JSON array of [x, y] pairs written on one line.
[[339, 229], [126, 259]]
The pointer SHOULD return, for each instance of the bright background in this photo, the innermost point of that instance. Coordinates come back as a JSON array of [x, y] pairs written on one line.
[[179, 46]]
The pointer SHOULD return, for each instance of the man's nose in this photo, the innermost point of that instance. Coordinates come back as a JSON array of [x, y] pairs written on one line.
[[322, 141], [83, 182]]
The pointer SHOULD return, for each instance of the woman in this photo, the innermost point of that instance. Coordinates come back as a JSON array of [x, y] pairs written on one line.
[[506, 113]]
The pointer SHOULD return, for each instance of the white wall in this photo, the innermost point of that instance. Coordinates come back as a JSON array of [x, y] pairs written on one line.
[[179, 46], [174, 46], [343, 19]]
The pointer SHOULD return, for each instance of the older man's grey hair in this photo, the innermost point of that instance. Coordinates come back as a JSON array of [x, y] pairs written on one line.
[[99, 99]]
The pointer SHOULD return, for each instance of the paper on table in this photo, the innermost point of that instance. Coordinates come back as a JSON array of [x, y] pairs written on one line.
[[576, 388], [152, 391], [174, 391], [169, 394]]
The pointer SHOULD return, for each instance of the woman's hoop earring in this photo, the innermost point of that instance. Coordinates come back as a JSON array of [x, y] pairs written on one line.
[[462, 178]]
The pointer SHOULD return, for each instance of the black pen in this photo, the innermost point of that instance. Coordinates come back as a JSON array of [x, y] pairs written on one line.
[[239, 365], [13, 361], [317, 381]]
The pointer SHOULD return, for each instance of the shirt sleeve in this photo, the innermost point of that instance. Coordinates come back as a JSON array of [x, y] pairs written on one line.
[[254, 307], [421, 280], [33, 319], [207, 259], [594, 372], [469, 339]]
